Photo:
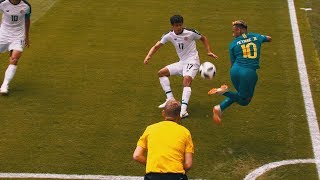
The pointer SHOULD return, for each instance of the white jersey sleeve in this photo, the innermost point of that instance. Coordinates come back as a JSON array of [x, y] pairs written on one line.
[[196, 35], [165, 38]]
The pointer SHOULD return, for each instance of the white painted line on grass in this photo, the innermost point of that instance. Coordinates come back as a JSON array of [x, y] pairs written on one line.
[[306, 9], [308, 101], [305, 86], [45, 6], [261, 170], [66, 176]]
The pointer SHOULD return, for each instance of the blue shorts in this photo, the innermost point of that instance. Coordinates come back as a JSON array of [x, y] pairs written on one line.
[[244, 80]]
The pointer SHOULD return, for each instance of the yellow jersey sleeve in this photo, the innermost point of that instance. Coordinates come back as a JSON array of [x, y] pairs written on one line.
[[189, 144], [143, 140]]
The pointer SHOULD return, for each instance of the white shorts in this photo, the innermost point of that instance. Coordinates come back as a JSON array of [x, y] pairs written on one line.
[[189, 68], [11, 44]]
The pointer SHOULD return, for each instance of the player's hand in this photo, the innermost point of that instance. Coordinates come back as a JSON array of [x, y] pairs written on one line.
[[146, 60], [27, 42], [213, 55]]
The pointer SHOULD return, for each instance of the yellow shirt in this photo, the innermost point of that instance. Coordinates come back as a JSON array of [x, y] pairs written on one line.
[[166, 142]]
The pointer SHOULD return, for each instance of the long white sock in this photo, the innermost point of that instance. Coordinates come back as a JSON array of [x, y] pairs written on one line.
[[10, 72], [165, 84], [185, 98]]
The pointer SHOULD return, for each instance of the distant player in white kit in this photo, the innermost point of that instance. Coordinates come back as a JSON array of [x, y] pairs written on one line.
[[14, 34], [183, 40]]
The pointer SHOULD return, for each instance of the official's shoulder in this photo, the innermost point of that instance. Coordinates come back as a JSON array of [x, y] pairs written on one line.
[[184, 129], [193, 30], [153, 125]]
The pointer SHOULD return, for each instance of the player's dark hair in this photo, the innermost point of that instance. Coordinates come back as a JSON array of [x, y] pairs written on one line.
[[240, 24], [175, 19]]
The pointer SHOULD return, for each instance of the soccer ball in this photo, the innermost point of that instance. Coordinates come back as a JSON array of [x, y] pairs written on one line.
[[207, 70]]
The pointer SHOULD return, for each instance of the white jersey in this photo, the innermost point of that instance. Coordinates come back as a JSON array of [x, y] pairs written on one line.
[[184, 43], [13, 18]]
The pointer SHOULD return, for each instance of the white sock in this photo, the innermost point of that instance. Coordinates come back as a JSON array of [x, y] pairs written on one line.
[[185, 98], [165, 83], [10, 72]]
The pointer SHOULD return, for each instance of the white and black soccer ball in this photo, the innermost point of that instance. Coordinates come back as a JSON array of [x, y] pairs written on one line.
[[207, 70]]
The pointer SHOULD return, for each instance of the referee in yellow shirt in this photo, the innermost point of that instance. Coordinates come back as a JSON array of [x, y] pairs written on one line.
[[168, 145]]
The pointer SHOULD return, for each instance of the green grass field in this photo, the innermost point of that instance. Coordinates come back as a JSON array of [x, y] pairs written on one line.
[[82, 96]]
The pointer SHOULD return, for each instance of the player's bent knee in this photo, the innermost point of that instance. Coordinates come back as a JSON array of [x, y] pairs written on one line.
[[187, 84], [160, 74], [245, 102], [163, 72], [14, 61]]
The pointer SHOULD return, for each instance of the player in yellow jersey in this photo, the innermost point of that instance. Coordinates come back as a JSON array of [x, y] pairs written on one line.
[[168, 145]]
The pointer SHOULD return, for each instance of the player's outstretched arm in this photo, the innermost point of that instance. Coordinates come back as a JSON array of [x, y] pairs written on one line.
[[206, 44], [152, 51]]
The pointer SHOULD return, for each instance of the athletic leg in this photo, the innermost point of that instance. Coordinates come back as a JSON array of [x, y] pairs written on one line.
[[185, 96], [247, 86], [164, 73], [244, 81], [11, 70], [189, 72]]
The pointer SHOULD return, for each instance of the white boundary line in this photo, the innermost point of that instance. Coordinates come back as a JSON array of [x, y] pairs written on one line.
[[48, 4], [308, 101], [305, 86], [261, 170], [67, 176]]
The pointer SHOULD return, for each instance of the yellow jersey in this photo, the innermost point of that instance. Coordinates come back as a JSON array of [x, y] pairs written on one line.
[[166, 142]]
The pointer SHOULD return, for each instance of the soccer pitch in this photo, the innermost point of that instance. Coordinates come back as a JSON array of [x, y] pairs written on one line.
[[82, 96]]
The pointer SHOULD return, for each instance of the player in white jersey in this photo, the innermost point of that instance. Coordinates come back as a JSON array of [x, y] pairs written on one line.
[[184, 40], [14, 34]]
